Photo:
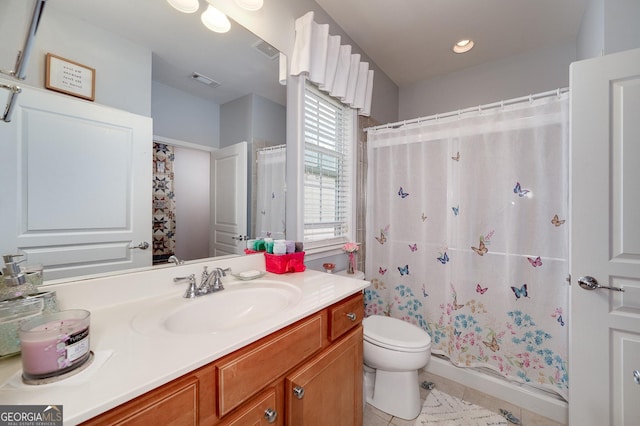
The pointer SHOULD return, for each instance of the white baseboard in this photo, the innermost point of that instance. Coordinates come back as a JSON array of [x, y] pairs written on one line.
[[522, 396]]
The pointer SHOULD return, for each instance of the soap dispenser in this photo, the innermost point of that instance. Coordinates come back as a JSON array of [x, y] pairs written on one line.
[[14, 283]]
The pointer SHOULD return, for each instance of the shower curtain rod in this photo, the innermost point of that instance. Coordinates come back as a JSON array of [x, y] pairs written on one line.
[[478, 108], [273, 148]]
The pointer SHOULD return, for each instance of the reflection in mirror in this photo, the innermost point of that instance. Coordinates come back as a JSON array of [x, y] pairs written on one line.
[[145, 54], [270, 194], [184, 171]]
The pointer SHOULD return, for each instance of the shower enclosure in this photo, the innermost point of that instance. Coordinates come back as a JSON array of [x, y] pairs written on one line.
[[469, 238]]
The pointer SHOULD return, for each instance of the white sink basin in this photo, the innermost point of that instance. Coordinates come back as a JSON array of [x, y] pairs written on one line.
[[237, 305]]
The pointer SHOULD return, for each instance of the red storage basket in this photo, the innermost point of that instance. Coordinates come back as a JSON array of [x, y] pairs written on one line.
[[283, 263]]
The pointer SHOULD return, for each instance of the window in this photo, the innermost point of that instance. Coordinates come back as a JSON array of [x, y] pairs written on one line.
[[328, 168]]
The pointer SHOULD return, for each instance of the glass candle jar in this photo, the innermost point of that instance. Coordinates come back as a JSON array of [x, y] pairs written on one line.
[[13, 313], [54, 344]]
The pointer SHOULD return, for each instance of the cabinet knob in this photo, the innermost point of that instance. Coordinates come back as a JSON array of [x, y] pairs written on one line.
[[351, 316], [298, 391], [270, 415]]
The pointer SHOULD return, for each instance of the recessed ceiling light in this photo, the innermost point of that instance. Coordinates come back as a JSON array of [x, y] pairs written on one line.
[[186, 6], [251, 5], [463, 46], [215, 20]]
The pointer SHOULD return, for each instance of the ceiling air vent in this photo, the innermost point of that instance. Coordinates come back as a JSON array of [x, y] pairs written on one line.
[[205, 80], [266, 49]]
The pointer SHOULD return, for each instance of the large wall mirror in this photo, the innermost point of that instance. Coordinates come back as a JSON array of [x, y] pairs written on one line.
[[145, 54]]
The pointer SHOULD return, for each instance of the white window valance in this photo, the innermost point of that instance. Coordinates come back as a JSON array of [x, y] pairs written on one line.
[[330, 65]]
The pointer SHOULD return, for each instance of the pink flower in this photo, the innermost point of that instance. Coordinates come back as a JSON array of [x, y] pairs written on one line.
[[351, 247]]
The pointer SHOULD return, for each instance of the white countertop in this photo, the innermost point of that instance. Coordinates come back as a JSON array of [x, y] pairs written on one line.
[[129, 362]]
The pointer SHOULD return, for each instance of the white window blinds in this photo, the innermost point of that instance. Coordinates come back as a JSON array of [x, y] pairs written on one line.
[[327, 167]]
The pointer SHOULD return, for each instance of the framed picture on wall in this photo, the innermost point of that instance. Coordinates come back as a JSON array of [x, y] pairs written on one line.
[[69, 77]]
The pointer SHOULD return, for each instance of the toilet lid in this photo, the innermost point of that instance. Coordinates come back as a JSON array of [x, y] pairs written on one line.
[[394, 333]]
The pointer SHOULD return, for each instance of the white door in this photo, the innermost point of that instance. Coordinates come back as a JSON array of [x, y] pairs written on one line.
[[228, 200], [75, 185], [604, 351]]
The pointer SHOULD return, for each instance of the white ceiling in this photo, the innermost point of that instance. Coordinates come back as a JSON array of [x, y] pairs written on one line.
[[181, 45], [411, 40]]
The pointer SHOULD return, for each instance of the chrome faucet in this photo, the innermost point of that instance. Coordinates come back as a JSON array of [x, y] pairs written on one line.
[[174, 259], [206, 286], [210, 282]]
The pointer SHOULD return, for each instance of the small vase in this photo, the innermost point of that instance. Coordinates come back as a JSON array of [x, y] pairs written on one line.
[[351, 265]]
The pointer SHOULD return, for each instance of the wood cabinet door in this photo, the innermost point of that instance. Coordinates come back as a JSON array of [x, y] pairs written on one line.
[[266, 409], [328, 389]]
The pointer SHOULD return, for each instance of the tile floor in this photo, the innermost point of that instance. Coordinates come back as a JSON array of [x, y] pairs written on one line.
[[375, 417]]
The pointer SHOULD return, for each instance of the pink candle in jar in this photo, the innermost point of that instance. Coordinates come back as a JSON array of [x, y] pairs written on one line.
[[54, 344]]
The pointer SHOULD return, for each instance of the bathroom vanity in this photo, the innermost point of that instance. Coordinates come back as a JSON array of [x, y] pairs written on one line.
[[307, 373], [299, 365]]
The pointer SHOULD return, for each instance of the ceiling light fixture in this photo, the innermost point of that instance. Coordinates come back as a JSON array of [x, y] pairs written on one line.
[[463, 46], [185, 6], [251, 5], [212, 18], [215, 20]]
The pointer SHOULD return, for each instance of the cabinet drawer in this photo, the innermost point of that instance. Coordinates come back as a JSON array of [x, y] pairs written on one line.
[[240, 377], [175, 403], [345, 315]]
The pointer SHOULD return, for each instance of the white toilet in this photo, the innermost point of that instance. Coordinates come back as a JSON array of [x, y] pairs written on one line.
[[394, 351]]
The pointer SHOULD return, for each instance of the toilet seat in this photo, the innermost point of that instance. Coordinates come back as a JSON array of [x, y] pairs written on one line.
[[395, 334]]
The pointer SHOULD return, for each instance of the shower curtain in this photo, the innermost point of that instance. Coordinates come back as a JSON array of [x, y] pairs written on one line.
[[163, 203], [270, 199], [467, 236]]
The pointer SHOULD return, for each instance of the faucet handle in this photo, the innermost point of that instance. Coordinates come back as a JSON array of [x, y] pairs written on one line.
[[205, 275], [192, 290]]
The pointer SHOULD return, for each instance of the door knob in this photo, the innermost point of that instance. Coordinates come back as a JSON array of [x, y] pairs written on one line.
[[636, 377], [240, 237], [142, 246], [270, 415], [590, 283], [298, 391]]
